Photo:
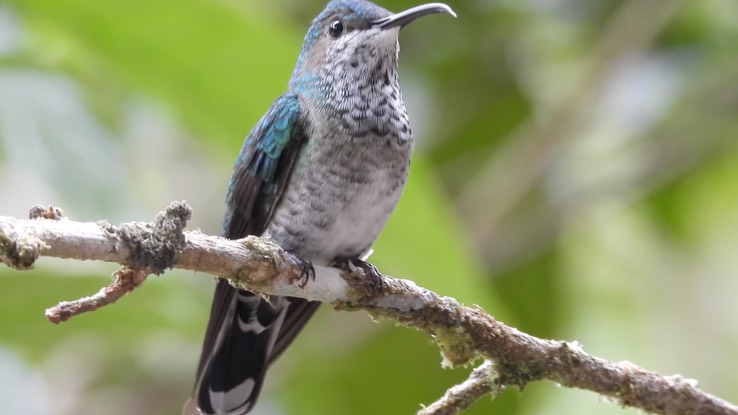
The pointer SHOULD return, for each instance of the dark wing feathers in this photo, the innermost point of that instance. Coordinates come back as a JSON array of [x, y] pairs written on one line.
[[265, 162], [240, 341]]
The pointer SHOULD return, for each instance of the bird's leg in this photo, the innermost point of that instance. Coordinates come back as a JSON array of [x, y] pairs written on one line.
[[307, 271]]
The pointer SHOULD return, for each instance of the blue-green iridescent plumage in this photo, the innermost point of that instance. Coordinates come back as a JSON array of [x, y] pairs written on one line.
[[319, 174], [264, 145]]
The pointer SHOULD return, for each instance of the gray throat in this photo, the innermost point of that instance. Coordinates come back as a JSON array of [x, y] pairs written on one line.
[[364, 90]]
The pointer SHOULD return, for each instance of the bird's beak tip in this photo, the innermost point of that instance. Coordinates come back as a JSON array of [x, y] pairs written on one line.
[[403, 18], [448, 10]]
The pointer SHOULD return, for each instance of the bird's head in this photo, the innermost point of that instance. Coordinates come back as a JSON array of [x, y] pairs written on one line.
[[353, 39]]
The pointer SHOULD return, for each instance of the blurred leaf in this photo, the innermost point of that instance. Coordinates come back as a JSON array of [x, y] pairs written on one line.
[[423, 242], [200, 57], [163, 304], [392, 373]]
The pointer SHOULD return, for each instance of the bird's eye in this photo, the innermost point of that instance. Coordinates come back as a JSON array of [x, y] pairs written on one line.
[[335, 28]]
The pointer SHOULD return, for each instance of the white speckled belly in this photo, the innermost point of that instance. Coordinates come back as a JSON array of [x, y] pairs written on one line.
[[339, 197]]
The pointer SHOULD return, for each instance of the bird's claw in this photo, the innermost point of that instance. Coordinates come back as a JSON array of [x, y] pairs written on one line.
[[307, 270], [371, 273]]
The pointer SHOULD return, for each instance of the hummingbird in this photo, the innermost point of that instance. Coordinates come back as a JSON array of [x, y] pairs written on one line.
[[319, 174]]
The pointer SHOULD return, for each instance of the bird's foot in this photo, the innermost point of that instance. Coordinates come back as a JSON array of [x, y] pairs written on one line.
[[307, 271], [371, 273]]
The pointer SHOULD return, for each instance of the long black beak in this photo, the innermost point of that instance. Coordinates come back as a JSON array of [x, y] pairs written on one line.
[[403, 18]]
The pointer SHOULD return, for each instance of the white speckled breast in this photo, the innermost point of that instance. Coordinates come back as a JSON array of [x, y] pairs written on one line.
[[340, 196]]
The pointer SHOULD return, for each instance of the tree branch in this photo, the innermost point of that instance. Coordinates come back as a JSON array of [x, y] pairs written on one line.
[[463, 334]]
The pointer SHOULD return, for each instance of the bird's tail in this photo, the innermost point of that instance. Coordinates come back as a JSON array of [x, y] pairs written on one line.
[[239, 346]]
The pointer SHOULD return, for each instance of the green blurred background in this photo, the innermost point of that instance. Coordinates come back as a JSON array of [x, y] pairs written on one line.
[[576, 174]]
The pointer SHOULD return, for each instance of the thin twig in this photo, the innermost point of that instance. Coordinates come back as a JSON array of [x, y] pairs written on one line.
[[481, 381], [125, 280]]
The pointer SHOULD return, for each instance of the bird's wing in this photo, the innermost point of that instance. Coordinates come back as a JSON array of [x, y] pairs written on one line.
[[244, 326]]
